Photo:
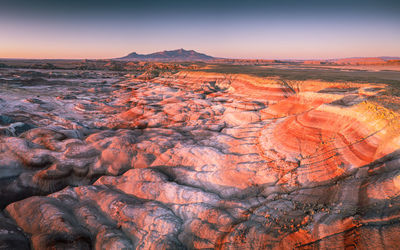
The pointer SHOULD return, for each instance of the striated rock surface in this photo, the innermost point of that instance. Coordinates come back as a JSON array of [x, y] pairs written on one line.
[[196, 160]]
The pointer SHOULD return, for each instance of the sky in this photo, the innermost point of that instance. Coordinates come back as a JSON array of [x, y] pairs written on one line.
[[264, 29]]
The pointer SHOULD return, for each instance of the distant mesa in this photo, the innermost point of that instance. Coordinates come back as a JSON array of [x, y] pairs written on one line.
[[168, 55]]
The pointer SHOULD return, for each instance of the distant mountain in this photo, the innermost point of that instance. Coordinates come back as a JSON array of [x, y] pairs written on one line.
[[171, 55]]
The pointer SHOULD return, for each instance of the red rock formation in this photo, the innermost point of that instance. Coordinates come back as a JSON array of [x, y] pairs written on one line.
[[203, 160]]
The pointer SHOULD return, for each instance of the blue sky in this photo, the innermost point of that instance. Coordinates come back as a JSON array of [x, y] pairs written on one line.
[[236, 29]]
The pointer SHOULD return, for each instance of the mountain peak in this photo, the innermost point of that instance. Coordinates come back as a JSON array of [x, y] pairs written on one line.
[[133, 54], [169, 55]]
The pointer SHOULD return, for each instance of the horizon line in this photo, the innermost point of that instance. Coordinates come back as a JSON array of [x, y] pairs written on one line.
[[215, 58]]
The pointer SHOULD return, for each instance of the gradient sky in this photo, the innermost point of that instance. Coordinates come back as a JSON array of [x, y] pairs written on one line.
[[270, 29]]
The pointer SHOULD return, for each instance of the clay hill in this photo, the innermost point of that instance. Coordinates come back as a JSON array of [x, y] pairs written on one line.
[[168, 55]]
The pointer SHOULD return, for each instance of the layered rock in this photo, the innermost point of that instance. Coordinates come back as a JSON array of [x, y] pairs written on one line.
[[201, 160]]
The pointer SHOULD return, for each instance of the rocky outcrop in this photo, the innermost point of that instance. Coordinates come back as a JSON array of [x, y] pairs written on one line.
[[201, 160]]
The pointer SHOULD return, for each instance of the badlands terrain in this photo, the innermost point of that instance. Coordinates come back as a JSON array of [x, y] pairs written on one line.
[[182, 156]]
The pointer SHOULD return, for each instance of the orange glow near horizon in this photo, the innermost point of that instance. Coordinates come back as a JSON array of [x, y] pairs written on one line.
[[76, 52]]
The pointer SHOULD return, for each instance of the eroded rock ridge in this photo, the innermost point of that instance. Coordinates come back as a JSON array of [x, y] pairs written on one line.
[[196, 160]]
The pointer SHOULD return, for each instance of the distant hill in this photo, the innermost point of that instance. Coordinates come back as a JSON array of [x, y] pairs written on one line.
[[383, 60], [390, 58], [171, 55], [362, 61]]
